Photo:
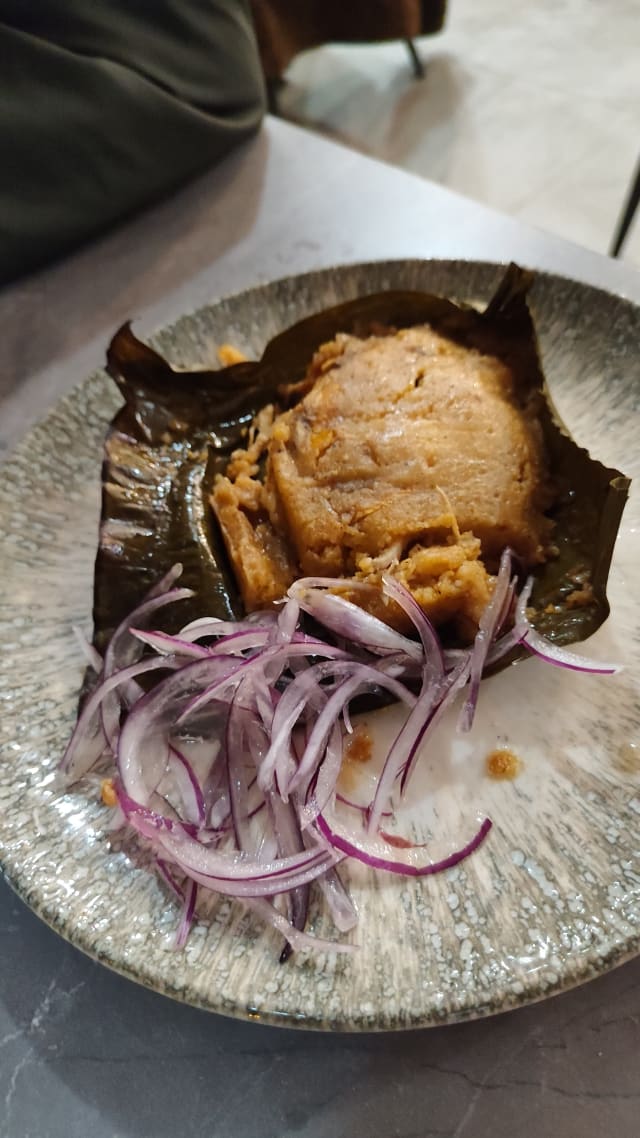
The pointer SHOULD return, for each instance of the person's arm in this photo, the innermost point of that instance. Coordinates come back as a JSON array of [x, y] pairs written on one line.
[[109, 105]]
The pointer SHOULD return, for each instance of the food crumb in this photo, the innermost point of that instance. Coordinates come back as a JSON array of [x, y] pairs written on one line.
[[580, 597], [229, 355], [502, 764], [358, 747], [108, 792], [629, 757]]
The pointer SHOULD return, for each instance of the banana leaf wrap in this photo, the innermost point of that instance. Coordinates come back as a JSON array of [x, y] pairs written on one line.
[[177, 430]]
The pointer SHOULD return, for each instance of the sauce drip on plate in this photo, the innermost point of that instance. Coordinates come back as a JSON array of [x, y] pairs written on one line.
[[503, 765]]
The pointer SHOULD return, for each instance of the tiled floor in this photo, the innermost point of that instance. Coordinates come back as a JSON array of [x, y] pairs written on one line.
[[533, 108]]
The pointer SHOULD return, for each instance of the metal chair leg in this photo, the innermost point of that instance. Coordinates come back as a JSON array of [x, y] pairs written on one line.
[[417, 64], [630, 207]]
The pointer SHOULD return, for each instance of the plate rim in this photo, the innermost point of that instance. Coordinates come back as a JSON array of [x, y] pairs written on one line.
[[594, 963]]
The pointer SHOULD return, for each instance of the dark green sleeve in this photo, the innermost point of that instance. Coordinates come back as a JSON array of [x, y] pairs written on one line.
[[107, 105]]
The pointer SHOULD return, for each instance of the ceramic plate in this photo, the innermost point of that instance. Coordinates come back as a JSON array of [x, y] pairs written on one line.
[[551, 899]]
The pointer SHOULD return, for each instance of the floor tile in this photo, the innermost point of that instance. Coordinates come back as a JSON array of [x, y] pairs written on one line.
[[532, 109]]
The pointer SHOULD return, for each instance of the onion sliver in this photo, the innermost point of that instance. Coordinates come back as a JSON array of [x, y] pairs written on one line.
[[88, 740], [236, 874], [490, 622], [563, 658], [373, 854], [353, 623]]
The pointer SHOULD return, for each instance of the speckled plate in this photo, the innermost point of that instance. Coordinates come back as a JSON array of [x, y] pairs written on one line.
[[550, 900]]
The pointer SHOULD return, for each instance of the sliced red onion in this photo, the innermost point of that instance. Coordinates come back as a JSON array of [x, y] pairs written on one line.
[[322, 785], [234, 874], [86, 746], [238, 775], [150, 818], [286, 826], [303, 693], [490, 623], [167, 875], [220, 811], [143, 743], [563, 658], [376, 856], [212, 626], [167, 582], [510, 639], [360, 678], [253, 724], [91, 654], [456, 681], [88, 741], [432, 658], [266, 698], [243, 641], [352, 622], [547, 650], [165, 644], [359, 806], [342, 909], [290, 842], [435, 687], [274, 658], [123, 648], [188, 787], [506, 612], [288, 619], [522, 603], [298, 940], [503, 645], [187, 915], [400, 758]]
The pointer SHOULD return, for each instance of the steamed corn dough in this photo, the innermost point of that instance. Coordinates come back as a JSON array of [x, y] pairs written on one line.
[[409, 454]]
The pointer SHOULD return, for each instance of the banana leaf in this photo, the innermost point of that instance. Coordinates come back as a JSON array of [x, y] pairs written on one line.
[[176, 430]]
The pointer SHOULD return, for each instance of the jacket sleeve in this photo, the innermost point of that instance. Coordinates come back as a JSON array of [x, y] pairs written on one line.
[[108, 106]]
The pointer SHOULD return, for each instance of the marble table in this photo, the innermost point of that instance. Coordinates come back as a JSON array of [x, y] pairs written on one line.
[[85, 1052]]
